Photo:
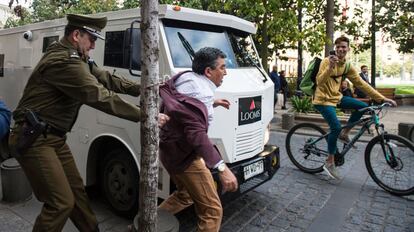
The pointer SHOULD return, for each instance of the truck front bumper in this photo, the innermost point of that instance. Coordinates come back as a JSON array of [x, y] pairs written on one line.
[[247, 179]]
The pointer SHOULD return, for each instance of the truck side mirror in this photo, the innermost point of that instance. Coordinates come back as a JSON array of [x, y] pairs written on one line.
[[132, 49]]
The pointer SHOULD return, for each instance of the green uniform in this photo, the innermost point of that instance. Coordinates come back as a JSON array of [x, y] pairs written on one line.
[[60, 83]]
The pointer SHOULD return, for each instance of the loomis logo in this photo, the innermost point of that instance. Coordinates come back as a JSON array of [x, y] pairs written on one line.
[[250, 110]]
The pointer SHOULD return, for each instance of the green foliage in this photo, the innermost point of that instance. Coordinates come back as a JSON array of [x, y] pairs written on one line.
[[302, 105], [408, 66], [128, 4], [93, 6], [392, 70], [339, 112], [400, 89], [292, 82], [49, 9], [396, 18], [196, 4], [22, 20]]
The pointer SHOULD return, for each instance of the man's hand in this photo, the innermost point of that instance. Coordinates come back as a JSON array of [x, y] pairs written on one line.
[[333, 59], [392, 102], [221, 102], [162, 119], [228, 180]]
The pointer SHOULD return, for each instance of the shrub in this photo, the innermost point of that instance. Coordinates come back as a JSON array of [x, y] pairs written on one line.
[[302, 105]]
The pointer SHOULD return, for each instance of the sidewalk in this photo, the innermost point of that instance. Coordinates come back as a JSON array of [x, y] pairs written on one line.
[[19, 217]]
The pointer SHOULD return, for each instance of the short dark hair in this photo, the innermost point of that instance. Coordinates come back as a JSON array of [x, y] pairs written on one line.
[[342, 39], [206, 57], [364, 66], [70, 28]]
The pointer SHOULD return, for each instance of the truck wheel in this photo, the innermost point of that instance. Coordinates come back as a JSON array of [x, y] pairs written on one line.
[[120, 182]]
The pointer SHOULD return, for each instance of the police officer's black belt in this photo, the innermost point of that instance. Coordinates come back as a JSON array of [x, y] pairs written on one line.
[[55, 131]]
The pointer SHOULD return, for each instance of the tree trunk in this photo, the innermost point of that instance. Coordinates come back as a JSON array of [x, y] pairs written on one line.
[[329, 17], [264, 46], [300, 45], [373, 46], [148, 183]]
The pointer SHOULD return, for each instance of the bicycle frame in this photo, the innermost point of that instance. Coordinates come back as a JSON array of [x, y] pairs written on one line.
[[366, 123]]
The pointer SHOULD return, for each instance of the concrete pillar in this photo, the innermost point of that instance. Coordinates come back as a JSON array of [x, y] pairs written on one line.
[[288, 121], [15, 186]]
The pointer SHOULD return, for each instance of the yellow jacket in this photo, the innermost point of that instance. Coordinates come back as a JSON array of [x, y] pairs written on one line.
[[329, 83]]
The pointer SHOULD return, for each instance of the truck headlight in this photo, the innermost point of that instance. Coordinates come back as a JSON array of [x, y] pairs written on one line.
[[266, 135]]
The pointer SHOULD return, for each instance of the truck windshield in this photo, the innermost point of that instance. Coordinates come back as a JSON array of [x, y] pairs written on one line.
[[186, 38]]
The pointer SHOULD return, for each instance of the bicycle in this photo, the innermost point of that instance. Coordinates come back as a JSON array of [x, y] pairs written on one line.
[[386, 155]]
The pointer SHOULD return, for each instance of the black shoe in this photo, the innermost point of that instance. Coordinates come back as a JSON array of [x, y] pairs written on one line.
[[284, 108]]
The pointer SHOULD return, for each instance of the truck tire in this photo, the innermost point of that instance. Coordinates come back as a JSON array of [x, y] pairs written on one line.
[[120, 182]]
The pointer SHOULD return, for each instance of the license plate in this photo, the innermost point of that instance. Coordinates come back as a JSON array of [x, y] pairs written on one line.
[[253, 169]]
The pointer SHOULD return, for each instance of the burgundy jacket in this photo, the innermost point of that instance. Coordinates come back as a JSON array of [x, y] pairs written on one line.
[[184, 137]]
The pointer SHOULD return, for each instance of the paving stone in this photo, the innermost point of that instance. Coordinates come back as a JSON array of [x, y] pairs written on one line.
[[395, 220], [281, 223], [410, 226], [392, 228], [291, 201], [294, 229], [12, 222], [380, 206], [231, 226], [378, 212], [251, 228], [374, 219], [371, 227], [262, 220], [397, 205], [356, 219], [273, 228], [301, 223], [396, 212]]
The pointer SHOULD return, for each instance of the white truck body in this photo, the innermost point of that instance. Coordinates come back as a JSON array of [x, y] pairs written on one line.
[[239, 133]]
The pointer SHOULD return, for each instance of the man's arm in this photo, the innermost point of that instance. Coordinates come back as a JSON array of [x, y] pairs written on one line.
[[72, 77], [325, 72], [115, 83], [363, 86], [221, 102]]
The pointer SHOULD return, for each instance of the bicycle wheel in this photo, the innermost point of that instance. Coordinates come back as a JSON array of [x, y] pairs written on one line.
[[307, 156], [394, 174]]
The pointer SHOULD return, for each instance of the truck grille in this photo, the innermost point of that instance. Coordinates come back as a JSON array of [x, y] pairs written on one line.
[[250, 141]]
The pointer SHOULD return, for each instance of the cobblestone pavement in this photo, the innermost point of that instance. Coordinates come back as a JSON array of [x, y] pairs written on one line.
[[296, 201], [291, 201]]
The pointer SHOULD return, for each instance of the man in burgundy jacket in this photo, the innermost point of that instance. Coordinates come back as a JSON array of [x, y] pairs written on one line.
[[185, 149]]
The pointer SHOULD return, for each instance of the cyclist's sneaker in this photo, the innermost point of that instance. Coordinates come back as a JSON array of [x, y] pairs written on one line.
[[345, 139], [331, 170]]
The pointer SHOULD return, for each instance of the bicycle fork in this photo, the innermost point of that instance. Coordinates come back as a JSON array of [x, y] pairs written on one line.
[[387, 147]]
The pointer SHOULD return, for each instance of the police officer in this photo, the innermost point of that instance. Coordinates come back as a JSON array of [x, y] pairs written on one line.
[[62, 81]]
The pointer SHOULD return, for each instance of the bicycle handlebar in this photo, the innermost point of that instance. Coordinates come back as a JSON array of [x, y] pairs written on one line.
[[374, 108]]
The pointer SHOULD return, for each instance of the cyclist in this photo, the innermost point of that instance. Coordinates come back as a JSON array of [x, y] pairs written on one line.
[[328, 97]]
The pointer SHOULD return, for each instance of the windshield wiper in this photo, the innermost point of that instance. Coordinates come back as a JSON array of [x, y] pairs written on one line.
[[249, 57], [187, 46]]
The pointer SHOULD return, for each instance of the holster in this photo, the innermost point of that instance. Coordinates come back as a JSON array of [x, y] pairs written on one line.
[[30, 130]]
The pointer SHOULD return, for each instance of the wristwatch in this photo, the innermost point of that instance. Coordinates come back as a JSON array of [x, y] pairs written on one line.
[[221, 167]]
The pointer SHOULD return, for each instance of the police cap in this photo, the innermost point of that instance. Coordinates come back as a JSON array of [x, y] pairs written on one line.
[[92, 25]]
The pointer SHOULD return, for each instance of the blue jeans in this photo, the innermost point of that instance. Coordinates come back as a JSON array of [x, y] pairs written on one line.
[[329, 114]]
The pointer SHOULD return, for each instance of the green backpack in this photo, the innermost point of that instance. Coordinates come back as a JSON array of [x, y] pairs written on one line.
[[308, 83]]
